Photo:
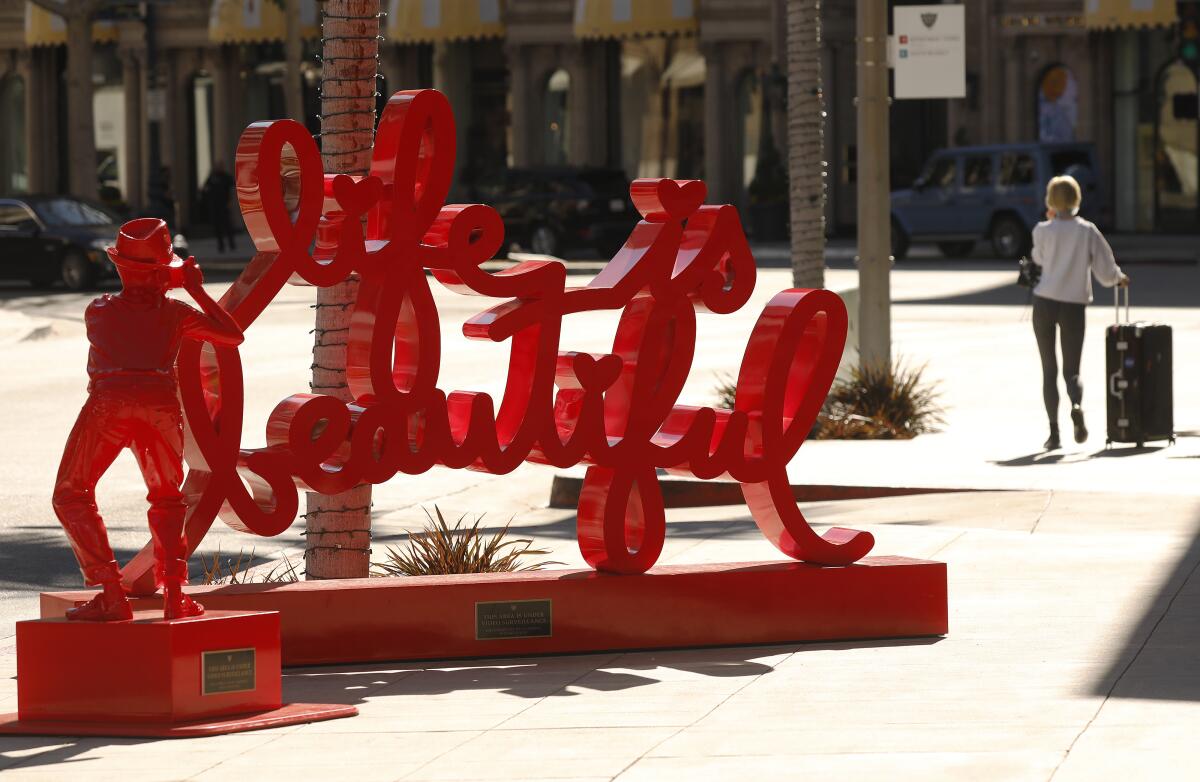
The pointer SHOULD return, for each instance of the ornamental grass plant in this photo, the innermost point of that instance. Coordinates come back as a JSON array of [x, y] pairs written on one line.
[[445, 549], [880, 403], [873, 403], [242, 570]]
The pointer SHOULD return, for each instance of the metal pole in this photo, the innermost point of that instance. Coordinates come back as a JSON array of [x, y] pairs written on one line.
[[874, 187]]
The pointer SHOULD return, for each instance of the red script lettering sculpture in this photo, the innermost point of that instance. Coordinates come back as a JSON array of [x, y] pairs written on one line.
[[616, 412]]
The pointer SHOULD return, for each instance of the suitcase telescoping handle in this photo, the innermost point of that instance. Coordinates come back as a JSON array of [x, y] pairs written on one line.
[[1117, 302]]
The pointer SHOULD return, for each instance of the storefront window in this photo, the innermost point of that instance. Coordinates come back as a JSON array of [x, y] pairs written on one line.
[[662, 108], [555, 125], [1175, 172], [1058, 105], [750, 108]]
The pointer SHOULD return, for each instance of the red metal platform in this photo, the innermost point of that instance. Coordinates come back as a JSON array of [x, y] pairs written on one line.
[[563, 611], [215, 673]]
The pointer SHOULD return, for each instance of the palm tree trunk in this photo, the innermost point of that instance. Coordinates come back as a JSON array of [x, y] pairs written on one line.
[[806, 143], [338, 527]]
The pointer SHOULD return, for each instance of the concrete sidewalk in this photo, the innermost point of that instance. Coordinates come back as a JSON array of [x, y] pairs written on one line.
[[1071, 656], [1073, 597]]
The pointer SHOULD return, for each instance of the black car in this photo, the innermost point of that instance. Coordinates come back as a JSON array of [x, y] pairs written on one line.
[[47, 239], [555, 210]]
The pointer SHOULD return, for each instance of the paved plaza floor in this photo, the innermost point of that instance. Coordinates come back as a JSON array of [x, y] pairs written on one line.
[[1074, 644]]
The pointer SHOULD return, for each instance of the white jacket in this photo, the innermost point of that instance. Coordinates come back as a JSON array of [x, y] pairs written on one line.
[[1070, 251]]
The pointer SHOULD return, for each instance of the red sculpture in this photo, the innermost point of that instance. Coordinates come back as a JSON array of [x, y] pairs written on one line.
[[615, 412], [133, 403]]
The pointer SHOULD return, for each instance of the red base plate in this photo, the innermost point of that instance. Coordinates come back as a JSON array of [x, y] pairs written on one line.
[[288, 714], [563, 611]]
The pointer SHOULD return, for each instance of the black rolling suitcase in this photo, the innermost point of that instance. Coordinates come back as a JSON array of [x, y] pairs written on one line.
[[1139, 380]]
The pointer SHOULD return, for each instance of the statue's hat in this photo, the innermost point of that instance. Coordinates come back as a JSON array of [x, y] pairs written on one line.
[[143, 242]]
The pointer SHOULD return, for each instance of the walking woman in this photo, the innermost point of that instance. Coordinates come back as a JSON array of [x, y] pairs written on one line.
[[1069, 251]]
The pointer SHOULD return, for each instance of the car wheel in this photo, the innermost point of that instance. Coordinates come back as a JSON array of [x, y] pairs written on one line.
[[899, 241], [956, 249], [78, 274], [543, 240], [1010, 238]]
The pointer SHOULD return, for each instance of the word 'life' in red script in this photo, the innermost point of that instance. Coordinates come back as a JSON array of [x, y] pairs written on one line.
[[616, 413]]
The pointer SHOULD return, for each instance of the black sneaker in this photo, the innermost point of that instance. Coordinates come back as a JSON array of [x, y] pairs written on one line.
[[1081, 431], [1052, 442]]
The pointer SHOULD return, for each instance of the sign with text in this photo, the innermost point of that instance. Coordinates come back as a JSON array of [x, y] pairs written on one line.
[[929, 51]]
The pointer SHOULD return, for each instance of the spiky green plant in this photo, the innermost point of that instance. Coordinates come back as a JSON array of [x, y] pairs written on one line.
[[442, 549], [881, 403]]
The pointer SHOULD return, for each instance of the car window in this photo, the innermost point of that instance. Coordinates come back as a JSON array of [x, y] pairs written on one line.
[[1062, 161], [1016, 169], [13, 215], [977, 171], [606, 181], [1073, 162], [68, 211], [942, 172]]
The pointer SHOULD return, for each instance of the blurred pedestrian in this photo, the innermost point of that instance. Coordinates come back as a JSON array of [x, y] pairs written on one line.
[[1069, 251], [216, 194]]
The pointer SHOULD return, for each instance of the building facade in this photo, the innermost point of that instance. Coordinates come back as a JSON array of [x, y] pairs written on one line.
[[1116, 73], [680, 88]]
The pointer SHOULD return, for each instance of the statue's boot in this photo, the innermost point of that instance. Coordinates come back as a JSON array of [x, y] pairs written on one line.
[[170, 554], [176, 604], [111, 605]]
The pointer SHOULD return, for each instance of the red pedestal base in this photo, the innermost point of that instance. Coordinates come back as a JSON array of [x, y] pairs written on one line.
[[561, 611], [216, 673]]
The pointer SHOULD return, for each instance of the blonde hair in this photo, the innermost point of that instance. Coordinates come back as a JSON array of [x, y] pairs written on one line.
[[1063, 195]]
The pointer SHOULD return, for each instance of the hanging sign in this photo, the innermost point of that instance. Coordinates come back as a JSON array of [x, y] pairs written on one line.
[[929, 51]]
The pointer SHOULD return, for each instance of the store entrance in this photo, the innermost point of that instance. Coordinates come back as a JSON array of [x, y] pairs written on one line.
[[1175, 160]]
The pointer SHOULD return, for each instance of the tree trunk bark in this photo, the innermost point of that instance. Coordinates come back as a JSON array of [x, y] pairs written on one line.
[[338, 528], [81, 134], [293, 95], [806, 143]]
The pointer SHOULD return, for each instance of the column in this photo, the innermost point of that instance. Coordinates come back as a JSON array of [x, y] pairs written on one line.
[[178, 156], [131, 80], [523, 119], [452, 76], [1012, 90], [718, 109], [227, 103]]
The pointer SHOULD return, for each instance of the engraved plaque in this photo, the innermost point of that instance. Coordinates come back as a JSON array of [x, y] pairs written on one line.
[[227, 670], [513, 619]]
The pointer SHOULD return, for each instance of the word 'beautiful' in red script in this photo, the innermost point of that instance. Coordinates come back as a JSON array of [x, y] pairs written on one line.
[[616, 412]]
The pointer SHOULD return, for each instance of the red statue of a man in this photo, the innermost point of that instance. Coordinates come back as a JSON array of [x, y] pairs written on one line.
[[133, 403]]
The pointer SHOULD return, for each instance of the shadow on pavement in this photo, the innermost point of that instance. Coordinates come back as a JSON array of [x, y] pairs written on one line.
[[1118, 452], [1158, 660], [543, 677], [1030, 460], [15, 751]]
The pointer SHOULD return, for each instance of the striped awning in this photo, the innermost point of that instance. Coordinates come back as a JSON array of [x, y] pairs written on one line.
[[431, 21], [43, 28], [257, 21], [1115, 14], [628, 18]]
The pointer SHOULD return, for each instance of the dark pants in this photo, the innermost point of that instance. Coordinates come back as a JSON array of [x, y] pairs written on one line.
[[222, 226], [1049, 315], [146, 420]]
